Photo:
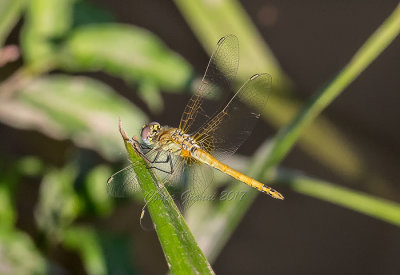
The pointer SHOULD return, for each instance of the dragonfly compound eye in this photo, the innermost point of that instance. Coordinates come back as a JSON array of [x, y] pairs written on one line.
[[145, 134], [155, 127], [149, 131]]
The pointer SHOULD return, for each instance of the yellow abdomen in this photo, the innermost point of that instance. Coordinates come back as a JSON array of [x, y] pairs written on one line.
[[208, 159]]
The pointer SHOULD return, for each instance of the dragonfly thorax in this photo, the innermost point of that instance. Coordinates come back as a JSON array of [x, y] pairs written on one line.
[[185, 141]]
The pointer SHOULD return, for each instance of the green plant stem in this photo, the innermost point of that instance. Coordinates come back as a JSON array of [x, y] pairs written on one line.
[[372, 206], [181, 251], [229, 213], [371, 49]]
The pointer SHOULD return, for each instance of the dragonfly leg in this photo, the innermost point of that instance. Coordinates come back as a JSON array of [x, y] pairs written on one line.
[[155, 158], [145, 149], [158, 160], [163, 161]]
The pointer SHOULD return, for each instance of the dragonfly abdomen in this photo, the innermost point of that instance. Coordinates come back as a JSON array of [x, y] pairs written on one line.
[[208, 159]]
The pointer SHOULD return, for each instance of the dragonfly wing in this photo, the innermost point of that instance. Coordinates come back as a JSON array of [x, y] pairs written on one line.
[[200, 178], [123, 183], [228, 129], [221, 69]]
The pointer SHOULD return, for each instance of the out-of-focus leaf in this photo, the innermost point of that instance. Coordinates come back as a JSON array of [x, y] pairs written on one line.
[[95, 188], [58, 203], [101, 253], [79, 108], [125, 51], [47, 21], [7, 212], [117, 251], [85, 13], [50, 18], [30, 165], [150, 94], [18, 254], [86, 242], [10, 11], [11, 172], [9, 177]]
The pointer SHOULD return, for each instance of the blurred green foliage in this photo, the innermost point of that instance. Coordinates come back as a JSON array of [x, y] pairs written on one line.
[[72, 36], [124, 51], [10, 12], [101, 252], [83, 109], [58, 205], [60, 39], [19, 254]]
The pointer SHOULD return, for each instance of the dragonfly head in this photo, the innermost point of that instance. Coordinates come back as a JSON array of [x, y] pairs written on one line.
[[150, 132]]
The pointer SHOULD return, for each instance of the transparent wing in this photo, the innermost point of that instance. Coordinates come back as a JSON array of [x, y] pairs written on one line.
[[197, 191], [228, 129], [123, 183], [221, 69], [165, 166]]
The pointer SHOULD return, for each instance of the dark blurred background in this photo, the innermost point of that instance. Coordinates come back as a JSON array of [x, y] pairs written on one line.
[[312, 41]]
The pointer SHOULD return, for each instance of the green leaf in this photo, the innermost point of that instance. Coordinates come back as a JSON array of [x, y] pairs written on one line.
[[30, 165], [95, 188], [79, 108], [7, 212], [85, 13], [47, 21], [118, 253], [9, 180], [100, 252], [10, 12], [85, 241], [128, 52], [58, 204], [180, 248], [150, 94]]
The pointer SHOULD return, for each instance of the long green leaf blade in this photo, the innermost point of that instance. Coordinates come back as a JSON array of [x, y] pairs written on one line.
[[131, 53], [181, 251]]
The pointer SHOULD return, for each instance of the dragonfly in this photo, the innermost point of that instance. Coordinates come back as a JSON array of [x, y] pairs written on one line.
[[206, 135]]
